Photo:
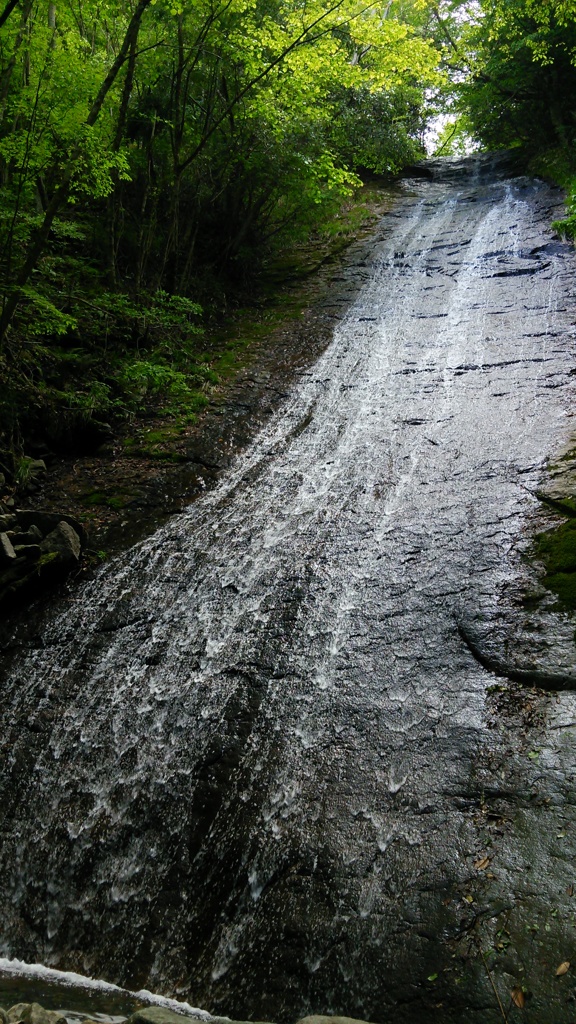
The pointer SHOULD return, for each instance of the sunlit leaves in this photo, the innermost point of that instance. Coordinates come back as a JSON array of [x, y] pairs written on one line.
[[231, 118], [517, 64]]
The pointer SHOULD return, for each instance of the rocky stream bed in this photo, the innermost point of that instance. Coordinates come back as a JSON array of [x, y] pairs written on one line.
[[34, 1013]]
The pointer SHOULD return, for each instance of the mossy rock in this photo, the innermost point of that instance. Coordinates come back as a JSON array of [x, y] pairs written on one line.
[[557, 550], [33, 1013]]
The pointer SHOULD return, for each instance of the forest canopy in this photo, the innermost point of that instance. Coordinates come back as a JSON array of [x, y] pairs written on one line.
[[511, 68], [197, 131], [154, 155]]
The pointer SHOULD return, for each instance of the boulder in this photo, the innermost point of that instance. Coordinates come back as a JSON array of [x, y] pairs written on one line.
[[48, 521], [156, 1015], [29, 568], [33, 1013], [3, 1014], [226, 1020], [29, 551], [64, 541], [37, 467], [18, 1012], [17, 568], [160, 1015], [31, 536], [319, 1019], [7, 553], [8, 522]]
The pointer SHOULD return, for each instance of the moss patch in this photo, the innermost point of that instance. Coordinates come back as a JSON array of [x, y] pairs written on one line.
[[554, 165], [46, 559], [557, 550], [99, 498]]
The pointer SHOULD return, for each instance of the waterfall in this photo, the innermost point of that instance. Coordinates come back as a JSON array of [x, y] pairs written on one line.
[[244, 762]]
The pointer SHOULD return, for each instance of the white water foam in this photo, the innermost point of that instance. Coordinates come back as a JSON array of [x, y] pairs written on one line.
[[19, 969]]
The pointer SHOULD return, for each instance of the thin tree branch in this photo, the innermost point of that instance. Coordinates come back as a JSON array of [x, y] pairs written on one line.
[[7, 11], [300, 40], [62, 192]]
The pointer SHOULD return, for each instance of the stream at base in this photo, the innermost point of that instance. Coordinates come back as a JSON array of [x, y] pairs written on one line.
[[252, 763]]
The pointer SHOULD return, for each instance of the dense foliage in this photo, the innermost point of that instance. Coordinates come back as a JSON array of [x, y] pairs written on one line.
[[153, 153], [513, 74]]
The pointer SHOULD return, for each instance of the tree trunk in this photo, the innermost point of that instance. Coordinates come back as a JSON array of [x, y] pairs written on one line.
[[12, 299]]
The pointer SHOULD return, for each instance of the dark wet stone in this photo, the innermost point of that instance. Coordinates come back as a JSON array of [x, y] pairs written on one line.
[[316, 1019], [29, 551], [17, 568], [31, 536], [45, 522], [7, 552], [507, 669], [64, 541]]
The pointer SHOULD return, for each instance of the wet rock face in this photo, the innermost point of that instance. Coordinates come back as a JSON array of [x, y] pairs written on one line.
[[7, 552], [37, 550], [255, 761], [32, 1013]]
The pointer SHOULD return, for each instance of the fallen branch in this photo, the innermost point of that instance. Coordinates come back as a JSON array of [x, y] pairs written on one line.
[[494, 989]]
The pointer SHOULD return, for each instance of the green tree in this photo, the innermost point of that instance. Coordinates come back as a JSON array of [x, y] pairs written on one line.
[[165, 149], [516, 73]]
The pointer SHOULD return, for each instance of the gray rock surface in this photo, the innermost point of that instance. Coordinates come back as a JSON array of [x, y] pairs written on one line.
[[47, 521], [318, 1019], [338, 774], [31, 536], [161, 1015], [64, 540], [155, 1015], [7, 553], [31, 552], [37, 550], [33, 1013]]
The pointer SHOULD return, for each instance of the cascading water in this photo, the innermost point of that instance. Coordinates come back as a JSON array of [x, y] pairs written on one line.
[[244, 763]]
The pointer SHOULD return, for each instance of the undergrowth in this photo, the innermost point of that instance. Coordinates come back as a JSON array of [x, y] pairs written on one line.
[[88, 362], [556, 549]]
